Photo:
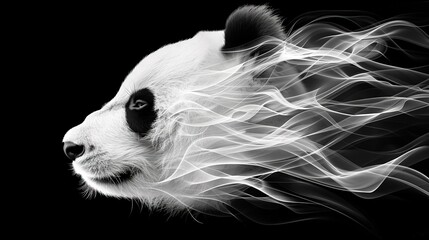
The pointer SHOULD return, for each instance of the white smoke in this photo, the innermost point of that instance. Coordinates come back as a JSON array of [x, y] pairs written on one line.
[[268, 142]]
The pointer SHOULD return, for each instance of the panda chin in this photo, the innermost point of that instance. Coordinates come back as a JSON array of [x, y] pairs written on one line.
[[119, 178]]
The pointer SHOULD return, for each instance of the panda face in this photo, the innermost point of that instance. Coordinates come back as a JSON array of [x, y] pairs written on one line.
[[125, 141]]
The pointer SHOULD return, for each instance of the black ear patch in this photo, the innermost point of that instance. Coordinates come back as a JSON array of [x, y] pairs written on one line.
[[139, 111], [250, 23]]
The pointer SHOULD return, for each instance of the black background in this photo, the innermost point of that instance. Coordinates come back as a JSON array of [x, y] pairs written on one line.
[[72, 58]]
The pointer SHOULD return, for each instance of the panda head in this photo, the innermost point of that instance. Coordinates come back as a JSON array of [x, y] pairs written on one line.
[[147, 142]]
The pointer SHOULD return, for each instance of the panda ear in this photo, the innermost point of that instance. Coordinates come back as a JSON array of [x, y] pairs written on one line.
[[250, 23]]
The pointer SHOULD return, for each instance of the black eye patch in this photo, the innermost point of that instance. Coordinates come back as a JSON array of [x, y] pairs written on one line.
[[139, 111]]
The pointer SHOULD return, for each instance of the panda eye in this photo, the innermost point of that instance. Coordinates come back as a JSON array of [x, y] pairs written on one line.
[[140, 111], [137, 104]]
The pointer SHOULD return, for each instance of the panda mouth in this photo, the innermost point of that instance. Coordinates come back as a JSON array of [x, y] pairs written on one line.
[[119, 178]]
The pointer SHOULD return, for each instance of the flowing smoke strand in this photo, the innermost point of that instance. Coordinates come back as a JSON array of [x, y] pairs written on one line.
[[241, 135]]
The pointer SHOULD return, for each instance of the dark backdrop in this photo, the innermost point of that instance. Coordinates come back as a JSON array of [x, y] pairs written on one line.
[[74, 58]]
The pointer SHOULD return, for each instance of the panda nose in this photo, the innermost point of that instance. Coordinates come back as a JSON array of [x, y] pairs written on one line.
[[73, 150]]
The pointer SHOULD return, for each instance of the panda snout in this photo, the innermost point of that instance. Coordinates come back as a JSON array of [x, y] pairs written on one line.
[[73, 150]]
